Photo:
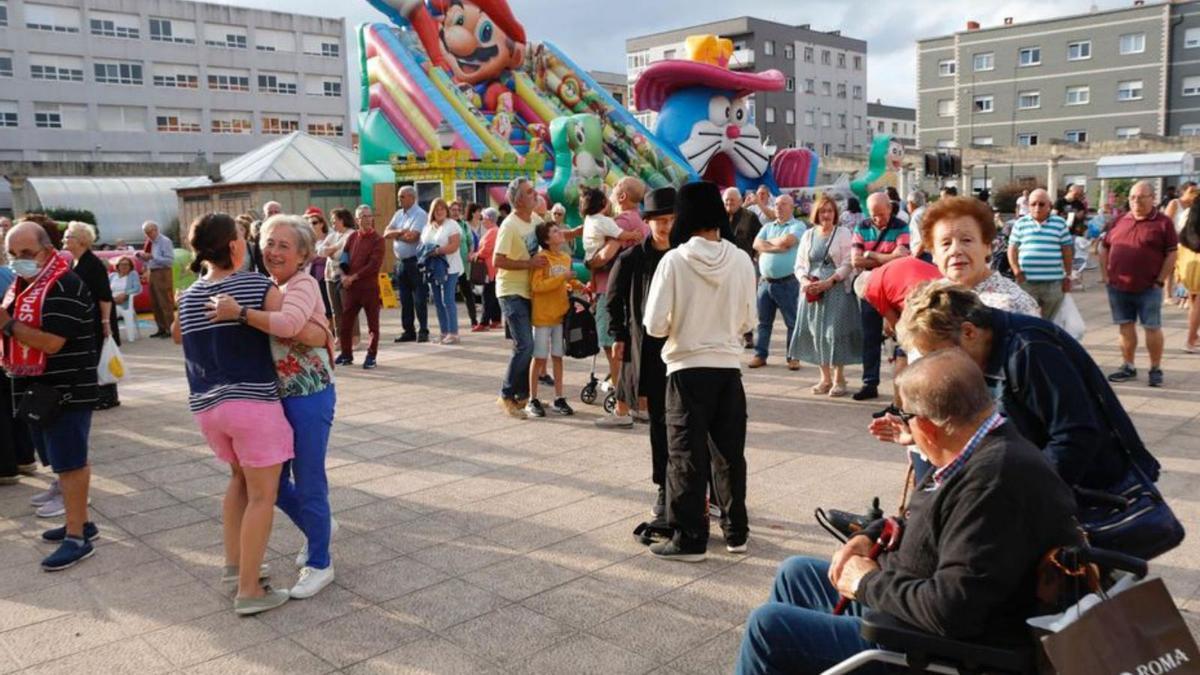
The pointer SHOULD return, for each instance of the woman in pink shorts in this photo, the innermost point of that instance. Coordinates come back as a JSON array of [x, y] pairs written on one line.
[[234, 395]]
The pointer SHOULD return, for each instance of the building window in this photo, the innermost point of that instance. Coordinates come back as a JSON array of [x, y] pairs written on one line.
[[789, 52], [167, 30], [4, 17], [826, 149], [1027, 140], [1185, 130], [857, 92], [770, 115], [841, 60], [118, 73], [1076, 135], [826, 120], [267, 40], [60, 116], [944, 143], [841, 90], [808, 54], [50, 18], [769, 48], [325, 126], [8, 114], [945, 107], [790, 84], [789, 116], [273, 123], [826, 89], [320, 45], [1129, 90], [841, 120], [45, 119], [985, 61], [178, 121], [226, 37], [125, 26], [1133, 43], [1191, 38], [810, 86], [1028, 100], [826, 57], [332, 89], [6, 65], [808, 118], [985, 104], [1126, 133], [1079, 51], [272, 84], [1029, 56], [229, 81], [858, 63], [947, 67], [1191, 86], [56, 68], [121, 118], [232, 123], [1079, 95], [983, 140]]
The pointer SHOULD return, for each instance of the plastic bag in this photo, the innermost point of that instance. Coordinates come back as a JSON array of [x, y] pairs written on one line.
[[1069, 319], [111, 369]]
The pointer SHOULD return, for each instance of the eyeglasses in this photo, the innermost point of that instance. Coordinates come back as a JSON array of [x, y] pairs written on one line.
[[905, 416]]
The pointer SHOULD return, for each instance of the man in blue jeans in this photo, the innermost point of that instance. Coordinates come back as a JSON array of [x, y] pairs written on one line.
[[405, 234], [778, 287], [877, 241], [515, 245], [965, 565]]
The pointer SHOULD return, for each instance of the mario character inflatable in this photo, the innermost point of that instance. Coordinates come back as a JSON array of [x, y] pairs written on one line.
[[479, 41], [704, 112]]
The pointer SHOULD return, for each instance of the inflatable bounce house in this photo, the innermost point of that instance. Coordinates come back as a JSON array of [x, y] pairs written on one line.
[[454, 92]]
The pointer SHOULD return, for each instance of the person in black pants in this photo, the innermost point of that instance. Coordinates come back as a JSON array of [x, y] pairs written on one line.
[[701, 301], [643, 373], [78, 241]]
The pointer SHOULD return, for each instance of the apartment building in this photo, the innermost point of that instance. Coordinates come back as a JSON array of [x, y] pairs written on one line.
[[896, 121], [164, 80], [1100, 76], [614, 83], [823, 104]]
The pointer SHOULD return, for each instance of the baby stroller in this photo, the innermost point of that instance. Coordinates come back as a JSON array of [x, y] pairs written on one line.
[[581, 341]]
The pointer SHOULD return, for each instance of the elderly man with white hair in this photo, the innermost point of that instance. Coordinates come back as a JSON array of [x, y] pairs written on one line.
[[159, 255], [404, 231], [876, 242], [778, 287], [1040, 251], [1137, 258], [271, 208], [916, 212]]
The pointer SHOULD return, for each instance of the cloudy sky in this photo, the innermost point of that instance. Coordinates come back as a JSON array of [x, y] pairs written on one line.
[[594, 34]]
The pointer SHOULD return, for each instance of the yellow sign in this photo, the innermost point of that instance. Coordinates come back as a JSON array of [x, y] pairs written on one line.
[[386, 292]]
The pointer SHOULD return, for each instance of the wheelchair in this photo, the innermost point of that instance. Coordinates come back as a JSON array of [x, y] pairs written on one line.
[[909, 649]]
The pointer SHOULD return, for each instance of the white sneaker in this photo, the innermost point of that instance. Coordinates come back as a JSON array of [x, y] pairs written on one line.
[[311, 581], [302, 555], [46, 495], [641, 416], [52, 508], [615, 422]]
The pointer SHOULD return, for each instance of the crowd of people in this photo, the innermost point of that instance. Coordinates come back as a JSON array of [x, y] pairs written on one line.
[[682, 283]]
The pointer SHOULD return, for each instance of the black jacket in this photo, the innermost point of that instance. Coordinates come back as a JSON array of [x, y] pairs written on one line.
[[628, 286], [94, 274], [745, 226], [966, 566]]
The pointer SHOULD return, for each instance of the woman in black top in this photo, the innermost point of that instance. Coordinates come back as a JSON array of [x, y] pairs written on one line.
[[78, 241]]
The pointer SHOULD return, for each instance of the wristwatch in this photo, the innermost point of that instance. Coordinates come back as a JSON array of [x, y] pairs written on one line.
[[9, 327], [242, 315]]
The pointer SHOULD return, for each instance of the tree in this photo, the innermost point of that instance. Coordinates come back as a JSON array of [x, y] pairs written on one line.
[[65, 215]]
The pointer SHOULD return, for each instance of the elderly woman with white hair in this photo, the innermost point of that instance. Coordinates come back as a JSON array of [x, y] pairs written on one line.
[[306, 387], [483, 255], [78, 240]]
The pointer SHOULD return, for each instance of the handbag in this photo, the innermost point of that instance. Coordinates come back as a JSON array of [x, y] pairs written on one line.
[[1138, 630], [41, 404], [810, 296], [479, 273]]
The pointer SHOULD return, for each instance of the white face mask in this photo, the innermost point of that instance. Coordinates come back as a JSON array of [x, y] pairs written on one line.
[[26, 269]]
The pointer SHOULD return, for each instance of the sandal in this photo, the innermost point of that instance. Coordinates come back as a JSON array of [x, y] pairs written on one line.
[[822, 388], [838, 390]]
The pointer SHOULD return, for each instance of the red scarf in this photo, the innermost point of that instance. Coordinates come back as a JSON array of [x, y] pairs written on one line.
[[19, 359]]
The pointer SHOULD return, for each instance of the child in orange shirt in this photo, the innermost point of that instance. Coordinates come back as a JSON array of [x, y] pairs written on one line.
[[550, 288]]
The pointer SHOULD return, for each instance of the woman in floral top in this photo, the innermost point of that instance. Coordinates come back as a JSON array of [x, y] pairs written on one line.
[[306, 388]]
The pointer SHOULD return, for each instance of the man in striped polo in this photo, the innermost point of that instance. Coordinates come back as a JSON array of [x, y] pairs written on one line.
[[1040, 252], [876, 242]]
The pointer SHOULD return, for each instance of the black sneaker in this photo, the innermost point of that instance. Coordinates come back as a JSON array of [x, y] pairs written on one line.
[[736, 543], [369, 362], [560, 406], [660, 503], [423, 337], [407, 337], [1124, 374], [681, 549], [71, 552], [343, 360], [1156, 377], [546, 379], [534, 408], [868, 392], [90, 533]]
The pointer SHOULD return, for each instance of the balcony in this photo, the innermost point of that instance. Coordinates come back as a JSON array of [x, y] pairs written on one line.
[[741, 59]]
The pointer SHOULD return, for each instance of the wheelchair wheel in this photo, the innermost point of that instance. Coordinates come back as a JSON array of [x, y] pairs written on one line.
[[610, 402], [588, 393]]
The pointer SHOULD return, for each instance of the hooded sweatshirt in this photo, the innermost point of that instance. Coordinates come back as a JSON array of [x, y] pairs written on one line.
[[702, 300]]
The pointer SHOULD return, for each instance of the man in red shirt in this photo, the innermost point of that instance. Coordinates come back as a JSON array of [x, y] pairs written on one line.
[[1137, 257]]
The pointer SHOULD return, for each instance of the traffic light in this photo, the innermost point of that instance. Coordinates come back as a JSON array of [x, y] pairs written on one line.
[[931, 165], [943, 165]]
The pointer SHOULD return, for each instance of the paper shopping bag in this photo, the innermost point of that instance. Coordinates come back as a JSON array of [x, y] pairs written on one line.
[[1138, 632]]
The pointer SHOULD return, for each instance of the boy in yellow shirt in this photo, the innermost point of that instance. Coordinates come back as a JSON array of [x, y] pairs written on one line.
[[550, 287]]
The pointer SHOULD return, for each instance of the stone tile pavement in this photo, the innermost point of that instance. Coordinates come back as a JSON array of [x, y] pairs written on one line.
[[471, 542]]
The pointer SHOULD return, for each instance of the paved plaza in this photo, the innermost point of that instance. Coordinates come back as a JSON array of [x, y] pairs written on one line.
[[471, 542]]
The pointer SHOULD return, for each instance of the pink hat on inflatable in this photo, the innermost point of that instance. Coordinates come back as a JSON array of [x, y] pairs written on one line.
[[707, 65]]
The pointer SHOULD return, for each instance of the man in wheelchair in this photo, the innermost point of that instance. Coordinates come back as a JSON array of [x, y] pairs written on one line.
[[973, 533]]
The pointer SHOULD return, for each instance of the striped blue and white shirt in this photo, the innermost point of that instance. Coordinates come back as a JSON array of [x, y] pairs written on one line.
[[226, 361], [1040, 247]]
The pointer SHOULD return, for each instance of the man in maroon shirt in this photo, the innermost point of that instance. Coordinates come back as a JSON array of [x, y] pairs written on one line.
[[361, 259], [1137, 257]]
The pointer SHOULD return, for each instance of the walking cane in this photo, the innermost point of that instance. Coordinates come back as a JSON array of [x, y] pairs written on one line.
[[888, 540]]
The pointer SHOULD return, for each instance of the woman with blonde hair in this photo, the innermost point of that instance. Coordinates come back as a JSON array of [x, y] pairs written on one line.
[[440, 248], [828, 329], [78, 239]]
